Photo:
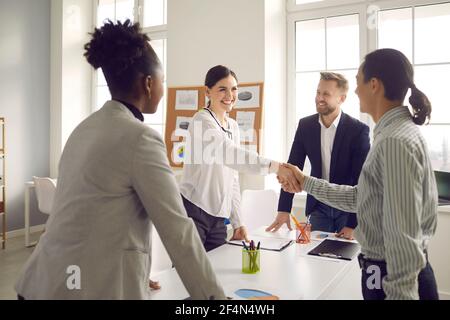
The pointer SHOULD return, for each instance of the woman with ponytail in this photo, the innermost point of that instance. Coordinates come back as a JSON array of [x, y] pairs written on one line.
[[396, 198]]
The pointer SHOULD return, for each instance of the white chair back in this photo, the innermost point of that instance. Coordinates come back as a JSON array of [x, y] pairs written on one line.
[[160, 258], [259, 208], [45, 193]]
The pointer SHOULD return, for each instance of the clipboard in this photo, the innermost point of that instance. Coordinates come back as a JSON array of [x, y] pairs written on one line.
[[336, 249], [271, 244]]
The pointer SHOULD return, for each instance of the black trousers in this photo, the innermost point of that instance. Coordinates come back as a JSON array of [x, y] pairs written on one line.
[[212, 230], [426, 279]]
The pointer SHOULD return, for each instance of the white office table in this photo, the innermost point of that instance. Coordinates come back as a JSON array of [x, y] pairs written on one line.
[[289, 274]]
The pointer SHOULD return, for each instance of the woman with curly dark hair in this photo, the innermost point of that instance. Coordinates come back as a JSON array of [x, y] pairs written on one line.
[[114, 182]]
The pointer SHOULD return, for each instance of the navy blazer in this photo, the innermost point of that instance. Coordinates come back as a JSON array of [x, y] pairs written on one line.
[[350, 147]]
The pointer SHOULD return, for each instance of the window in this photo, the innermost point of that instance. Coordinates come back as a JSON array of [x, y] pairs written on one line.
[[152, 15], [335, 37], [409, 30], [333, 45]]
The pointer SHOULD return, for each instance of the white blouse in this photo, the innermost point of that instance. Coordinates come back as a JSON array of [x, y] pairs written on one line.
[[213, 158]]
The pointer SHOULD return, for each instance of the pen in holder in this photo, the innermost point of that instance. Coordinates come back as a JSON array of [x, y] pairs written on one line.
[[303, 233], [251, 260]]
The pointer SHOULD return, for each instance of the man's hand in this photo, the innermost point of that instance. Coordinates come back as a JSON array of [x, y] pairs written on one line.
[[287, 179], [299, 176], [346, 233], [240, 234], [282, 218], [154, 285]]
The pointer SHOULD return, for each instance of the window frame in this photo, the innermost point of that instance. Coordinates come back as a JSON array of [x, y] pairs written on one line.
[[368, 42], [320, 13], [158, 32]]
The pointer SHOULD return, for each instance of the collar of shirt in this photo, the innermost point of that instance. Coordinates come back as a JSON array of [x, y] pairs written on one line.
[[334, 123], [388, 117], [213, 114], [135, 111]]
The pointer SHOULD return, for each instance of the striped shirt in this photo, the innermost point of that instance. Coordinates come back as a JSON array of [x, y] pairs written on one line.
[[395, 201]]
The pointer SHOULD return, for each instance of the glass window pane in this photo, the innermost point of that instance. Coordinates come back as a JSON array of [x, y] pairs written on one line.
[[160, 49], [343, 42], [103, 95], [305, 94], [395, 30], [105, 10], [431, 45], [433, 81], [310, 45], [159, 116], [438, 142], [124, 10], [154, 12], [101, 81], [158, 128]]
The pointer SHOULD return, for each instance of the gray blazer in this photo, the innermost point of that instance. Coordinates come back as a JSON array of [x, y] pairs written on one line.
[[114, 182]]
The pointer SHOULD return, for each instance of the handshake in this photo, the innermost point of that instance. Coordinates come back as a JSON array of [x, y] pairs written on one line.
[[290, 177]]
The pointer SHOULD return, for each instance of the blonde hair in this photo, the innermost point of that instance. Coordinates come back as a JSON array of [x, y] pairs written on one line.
[[341, 82]]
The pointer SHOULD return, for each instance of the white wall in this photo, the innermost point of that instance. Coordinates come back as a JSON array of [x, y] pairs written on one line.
[[202, 34], [24, 98], [71, 75], [275, 101]]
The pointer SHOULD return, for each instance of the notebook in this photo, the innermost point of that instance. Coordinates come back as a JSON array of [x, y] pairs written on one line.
[[336, 249], [443, 186]]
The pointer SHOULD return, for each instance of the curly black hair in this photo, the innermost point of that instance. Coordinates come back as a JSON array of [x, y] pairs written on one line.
[[123, 52]]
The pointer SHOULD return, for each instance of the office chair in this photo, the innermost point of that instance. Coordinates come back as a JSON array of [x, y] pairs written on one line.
[[45, 193], [160, 258], [259, 208]]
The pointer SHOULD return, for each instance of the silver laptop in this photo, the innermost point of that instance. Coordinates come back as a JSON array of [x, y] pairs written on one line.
[[443, 186]]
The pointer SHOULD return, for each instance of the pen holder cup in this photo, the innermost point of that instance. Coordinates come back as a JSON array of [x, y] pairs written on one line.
[[303, 233], [251, 262]]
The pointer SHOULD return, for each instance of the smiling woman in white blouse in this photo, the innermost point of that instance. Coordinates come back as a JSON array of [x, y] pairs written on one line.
[[396, 198], [210, 182]]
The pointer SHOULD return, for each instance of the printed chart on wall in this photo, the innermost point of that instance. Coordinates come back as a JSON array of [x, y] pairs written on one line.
[[184, 102]]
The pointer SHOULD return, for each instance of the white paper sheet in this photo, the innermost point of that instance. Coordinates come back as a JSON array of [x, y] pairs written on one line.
[[248, 97], [246, 123], [182, 123], [186, 100], [178, 152]]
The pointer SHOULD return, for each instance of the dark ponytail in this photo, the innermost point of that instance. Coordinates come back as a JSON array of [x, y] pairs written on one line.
[[421, 106], [397, 75]]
